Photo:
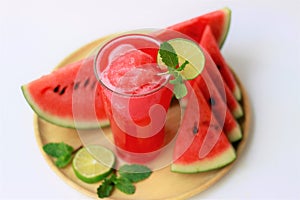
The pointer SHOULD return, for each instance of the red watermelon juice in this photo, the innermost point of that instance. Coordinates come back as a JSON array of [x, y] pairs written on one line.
[[135, 95]]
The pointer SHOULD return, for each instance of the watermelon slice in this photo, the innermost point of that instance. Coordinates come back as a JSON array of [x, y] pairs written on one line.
[[52, 96], [216, 101], [201, 145], [209, 42], [219, 21], [67, 96]]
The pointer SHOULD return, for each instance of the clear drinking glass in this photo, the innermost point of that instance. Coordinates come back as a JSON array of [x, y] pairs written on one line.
[[135, 94]]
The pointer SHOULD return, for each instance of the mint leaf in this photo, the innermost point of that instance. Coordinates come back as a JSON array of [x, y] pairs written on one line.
[[170, 58], [168, 55], [135, 172], [57, 149], [128, 175], [177, 79], [125, 185], [63, 160], [180, 90], [61, 151], [107, 186]]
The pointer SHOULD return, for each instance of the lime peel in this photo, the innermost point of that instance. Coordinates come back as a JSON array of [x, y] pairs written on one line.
[[93, 163]]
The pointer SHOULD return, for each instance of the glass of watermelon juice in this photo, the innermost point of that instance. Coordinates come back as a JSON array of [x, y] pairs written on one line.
[[135, 94]]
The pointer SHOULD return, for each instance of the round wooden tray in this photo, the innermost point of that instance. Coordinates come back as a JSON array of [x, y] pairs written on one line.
[[162, 184]]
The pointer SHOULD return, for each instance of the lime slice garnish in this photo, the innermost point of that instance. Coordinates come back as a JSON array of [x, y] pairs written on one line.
[[93, 163], [187, 50]]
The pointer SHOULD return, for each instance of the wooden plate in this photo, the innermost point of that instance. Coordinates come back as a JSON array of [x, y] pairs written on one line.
[[162, 184]]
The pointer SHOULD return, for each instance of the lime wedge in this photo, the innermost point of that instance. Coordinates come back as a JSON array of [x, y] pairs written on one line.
[[93, 163], [187, 50]]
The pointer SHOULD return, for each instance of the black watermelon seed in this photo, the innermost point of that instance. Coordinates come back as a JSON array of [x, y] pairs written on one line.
[[212, 101], [195, 128], [63, 90], [76, 85], [219, 67], [86, 82], [56, 89]]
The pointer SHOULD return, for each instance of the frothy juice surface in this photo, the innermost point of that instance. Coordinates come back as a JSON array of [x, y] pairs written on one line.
[[133, 72], [137, 99]]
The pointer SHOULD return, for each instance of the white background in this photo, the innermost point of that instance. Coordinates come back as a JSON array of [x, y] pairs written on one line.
[[263, 47]]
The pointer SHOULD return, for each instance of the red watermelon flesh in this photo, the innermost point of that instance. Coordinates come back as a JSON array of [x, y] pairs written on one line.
[[63, 115], [216, 100], [67, 96], [209, 42], [219, 21], [201, 145]]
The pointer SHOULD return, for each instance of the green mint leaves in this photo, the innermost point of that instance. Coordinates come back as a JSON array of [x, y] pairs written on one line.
[[125, 185], [135, 173], [124, 181], [107, 186], [168, 55], [128, 174], [170, 58], [61, 151], [179, 87]]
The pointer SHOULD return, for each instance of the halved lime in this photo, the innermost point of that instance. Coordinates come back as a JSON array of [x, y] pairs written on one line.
[[93, 163], [187, 50]]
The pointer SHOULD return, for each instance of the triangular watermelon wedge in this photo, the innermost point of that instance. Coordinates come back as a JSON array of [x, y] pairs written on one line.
[[201, 144], [54, 96], [218, 20], [208, 42]]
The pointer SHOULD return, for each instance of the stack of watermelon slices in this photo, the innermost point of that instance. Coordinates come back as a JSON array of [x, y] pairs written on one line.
[[51, 97], [218, 96]]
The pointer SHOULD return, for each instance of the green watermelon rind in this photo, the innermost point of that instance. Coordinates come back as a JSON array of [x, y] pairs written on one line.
[[208, 164], [227, 12], [238, 112], [63, 122], [235, 134]]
